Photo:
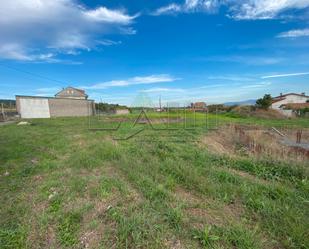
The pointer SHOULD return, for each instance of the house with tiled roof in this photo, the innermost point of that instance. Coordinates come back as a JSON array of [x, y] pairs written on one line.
[[286, 103], [71, 93], [289, 98]]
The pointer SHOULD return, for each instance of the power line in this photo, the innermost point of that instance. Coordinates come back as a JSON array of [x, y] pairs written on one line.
[[33, 74]]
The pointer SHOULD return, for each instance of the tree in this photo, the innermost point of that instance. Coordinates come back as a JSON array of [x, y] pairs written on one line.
[[264, 102]]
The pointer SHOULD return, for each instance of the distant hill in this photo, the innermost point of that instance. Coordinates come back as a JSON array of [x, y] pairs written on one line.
[[244, 102]]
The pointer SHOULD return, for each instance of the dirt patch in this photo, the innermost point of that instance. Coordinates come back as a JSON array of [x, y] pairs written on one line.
[[167, 120], [235, 210], [79, 140], [38, 237], [248, 111], [50, 237], [268, 114], [184, 195], [219, 216], [254, 141], [199, 210], [245, 175], [216, 144], [200, 217], [38, 179], [174, 244], [133, 194], [90, 237]]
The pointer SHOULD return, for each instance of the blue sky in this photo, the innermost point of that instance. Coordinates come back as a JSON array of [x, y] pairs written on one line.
[[188, 50]]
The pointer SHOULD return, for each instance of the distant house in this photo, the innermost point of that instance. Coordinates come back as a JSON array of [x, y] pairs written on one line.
[[198, 106], [288, 98], [122, 111], [282, 102], [71, 93]]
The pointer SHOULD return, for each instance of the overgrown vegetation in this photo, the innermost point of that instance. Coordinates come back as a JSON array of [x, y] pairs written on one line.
[[63, 186], [108, 108], [7, 103]]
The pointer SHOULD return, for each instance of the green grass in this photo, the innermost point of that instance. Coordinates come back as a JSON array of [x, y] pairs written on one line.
[[69, 186]]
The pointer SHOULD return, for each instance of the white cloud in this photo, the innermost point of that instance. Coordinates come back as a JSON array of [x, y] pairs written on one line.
[[188, 6], [138, 80], [169, 9], [102, 14], [257, 85], [240, 9], [294, 33], [159, 90], [249, 60], [284, 75], [32, 29], [230, 78], [264, 9]]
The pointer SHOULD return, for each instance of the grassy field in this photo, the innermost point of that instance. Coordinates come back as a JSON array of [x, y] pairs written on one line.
[[65, 186]]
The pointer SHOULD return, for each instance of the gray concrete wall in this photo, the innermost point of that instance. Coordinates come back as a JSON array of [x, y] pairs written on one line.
[[29, 107], [288, 113], [44, 107], [70, 107]]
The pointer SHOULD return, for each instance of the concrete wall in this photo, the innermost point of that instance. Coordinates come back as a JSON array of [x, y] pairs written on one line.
[[287, 113], [288, 100], [33, 107], [41, 107], [70, 107]]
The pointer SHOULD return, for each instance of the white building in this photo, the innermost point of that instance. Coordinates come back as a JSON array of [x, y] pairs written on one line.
[[289, 98], [281, 101], [122, 111]]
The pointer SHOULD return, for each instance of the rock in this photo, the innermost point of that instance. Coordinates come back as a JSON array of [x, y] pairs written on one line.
[[23, 123], [52, 195]]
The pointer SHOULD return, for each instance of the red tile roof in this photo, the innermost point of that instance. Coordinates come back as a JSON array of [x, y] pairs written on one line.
[[297, 94], [283, 96]]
